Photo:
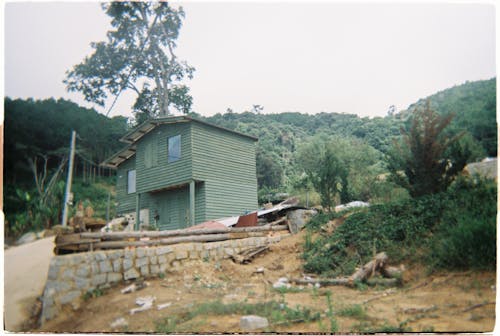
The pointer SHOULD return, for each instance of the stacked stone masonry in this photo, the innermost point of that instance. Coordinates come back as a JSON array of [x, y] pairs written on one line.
[[71, 276]]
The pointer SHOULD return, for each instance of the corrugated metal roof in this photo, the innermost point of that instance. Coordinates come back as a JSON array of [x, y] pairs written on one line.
[[137, 133], [151, 124], [119, 157], [276, 208]]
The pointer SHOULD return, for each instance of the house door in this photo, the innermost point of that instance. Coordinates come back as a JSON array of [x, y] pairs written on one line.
[[173, 208]]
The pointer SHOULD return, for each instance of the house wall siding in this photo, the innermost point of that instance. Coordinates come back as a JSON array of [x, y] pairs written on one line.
[[163, 173], [226, 162], [221, 162], [126, 202], [200, 206]]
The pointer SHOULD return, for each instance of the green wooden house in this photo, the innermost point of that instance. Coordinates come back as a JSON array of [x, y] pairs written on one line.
[[178, 171]]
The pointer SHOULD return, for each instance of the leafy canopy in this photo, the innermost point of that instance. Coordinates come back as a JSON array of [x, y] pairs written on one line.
[[326, 172], [425, 154], [138, 56]]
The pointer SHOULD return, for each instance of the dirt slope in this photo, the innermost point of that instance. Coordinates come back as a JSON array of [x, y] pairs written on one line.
[[443, 302], [25, 273]]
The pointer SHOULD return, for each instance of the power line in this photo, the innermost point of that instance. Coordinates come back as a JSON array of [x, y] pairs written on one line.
[[86, 159]]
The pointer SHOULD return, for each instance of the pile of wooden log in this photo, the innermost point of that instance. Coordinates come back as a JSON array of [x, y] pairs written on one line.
[[90, 241], [391, 276], [246, 256]]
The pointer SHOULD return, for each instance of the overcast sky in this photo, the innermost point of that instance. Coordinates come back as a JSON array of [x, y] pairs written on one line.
[[285, 56]]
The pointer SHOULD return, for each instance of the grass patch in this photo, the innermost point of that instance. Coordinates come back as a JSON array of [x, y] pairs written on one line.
[[284, 290], [368, 328], [329, 313], [275, 312], [93, 294], [355, 311]]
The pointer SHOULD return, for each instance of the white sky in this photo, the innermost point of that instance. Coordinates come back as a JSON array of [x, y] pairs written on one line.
[[286, 56]]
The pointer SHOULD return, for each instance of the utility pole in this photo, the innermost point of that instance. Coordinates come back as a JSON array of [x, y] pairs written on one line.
[[69, 180], [107, 207]]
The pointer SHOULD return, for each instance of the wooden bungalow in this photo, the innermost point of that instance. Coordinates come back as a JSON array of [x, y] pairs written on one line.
[[178, 171]]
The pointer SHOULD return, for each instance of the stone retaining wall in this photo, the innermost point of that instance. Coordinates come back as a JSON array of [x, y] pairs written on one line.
[[71, 276]]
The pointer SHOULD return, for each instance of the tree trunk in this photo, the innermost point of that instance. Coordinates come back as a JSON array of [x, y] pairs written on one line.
[[369, 269], [383, 282], [182, 232], [323, 282], [392, 272]]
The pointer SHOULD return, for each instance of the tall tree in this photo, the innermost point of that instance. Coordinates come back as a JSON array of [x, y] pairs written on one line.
[[326, 172], [138, 56], [330, 179], [425, 162]]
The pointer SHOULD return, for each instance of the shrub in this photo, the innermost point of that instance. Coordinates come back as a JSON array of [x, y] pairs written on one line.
[[466, 237], [454, 229], [382, 227]]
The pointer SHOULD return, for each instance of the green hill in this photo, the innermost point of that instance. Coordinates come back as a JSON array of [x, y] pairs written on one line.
[[41, 128], [474, 105]]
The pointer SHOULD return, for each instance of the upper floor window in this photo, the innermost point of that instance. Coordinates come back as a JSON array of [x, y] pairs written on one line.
[[174, 148], [131, 181]]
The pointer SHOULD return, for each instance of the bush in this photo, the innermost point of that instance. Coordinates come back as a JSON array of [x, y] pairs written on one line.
[[455, 229], [391, 227], [466, 237], [95, 195]]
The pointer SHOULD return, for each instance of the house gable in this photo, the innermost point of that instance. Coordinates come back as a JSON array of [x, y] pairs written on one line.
[[154, 171], [226, 162]]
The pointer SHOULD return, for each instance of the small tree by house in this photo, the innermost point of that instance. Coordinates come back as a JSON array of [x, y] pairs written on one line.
[[427, 159]]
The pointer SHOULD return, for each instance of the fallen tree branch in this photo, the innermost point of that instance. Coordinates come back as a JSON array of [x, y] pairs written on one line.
[[369, 268], [392, 272], [362, 275], [477, 306], [276, 222], [324, 282], [382, 282], [247, 255], [385, 294]]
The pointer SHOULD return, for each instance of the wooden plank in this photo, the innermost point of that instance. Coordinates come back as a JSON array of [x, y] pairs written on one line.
[[81, 241], [247, 255], [166, 241], [67, 238], [172, 233]]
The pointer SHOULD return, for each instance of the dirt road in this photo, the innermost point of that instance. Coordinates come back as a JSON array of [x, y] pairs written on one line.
[[25, 273]]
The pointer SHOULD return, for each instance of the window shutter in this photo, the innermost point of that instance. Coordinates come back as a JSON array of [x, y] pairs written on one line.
[[147, 156], [154, 153]]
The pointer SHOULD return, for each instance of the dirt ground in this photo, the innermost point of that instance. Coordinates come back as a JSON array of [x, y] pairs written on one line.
[[451, 302]]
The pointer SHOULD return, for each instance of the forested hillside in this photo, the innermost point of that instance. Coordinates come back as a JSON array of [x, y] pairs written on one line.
[[36, 148], [280, 160], [289, 144], [474, 106], [43, 127]]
